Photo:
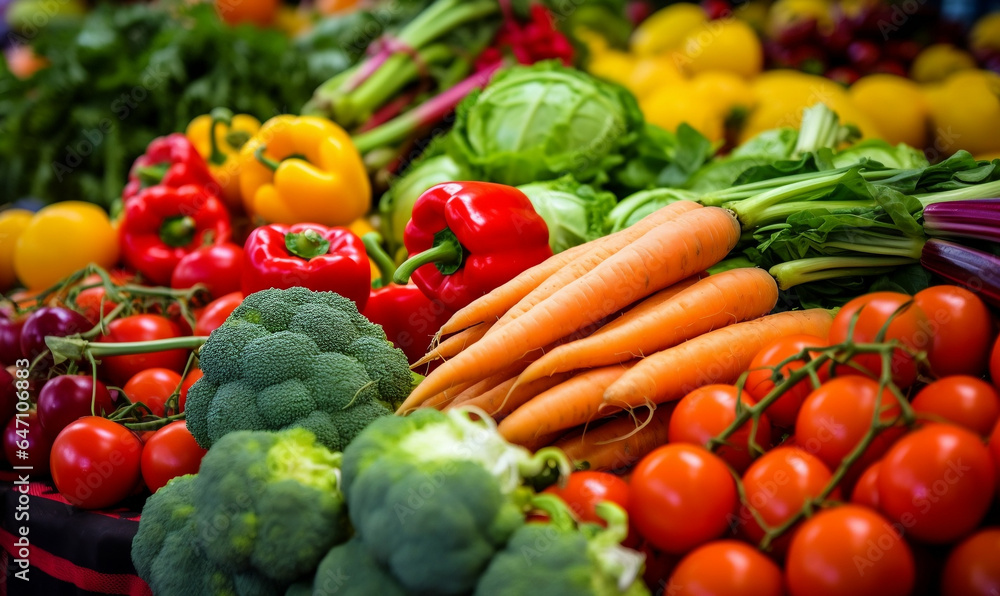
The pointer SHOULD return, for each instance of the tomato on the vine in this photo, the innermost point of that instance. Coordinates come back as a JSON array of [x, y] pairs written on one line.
[[709, 410], [995, 451], [960, 330], [219, 267], [850, 551], [25, 444], [169, 453], [725, 567], [838, 415], [777, 486], [973, 567], [192, 376], [938, 482], [682, 496], [909, 326], [995, 364], [759, 383], [962, 400], [119, 369], [215, 313], [153, 387], [866, 490], [584, 490], [95, 462]]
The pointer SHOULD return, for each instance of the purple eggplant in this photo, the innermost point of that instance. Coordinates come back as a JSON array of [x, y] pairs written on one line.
[[972, 269], [977, 219]]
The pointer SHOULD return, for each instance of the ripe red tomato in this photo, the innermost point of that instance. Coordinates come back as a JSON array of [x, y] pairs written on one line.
[[214, 315], [23, 435], [153, 387], [937, 482], [192, 376], [960, 329], [709, 410], [837, 416], [119, 369], [682, 496], [849, 551], [759, 384], [725, 567], [866, 490], [995, 451], [69, 397], [909, 327], [584, 490], [973, 567], [218, 266], [777, 486], [95, 462], [995, 364], [962, 400], [169, 453]]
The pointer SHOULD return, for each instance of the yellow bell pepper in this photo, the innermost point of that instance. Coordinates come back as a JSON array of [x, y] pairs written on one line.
[[218, 137], [12, 224], [360, 227], [303, 169], [61, 239]]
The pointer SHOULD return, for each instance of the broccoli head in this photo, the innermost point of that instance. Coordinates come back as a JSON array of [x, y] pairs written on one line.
[[167, 555], [433, 496], [349, 569], [269, 502], [296, 358], [558, 559]]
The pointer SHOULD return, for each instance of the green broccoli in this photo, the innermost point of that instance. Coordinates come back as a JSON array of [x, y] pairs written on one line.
[[167, 555], [558, 559], [350, 569], [296, 358], [433, 496], [269, 502]]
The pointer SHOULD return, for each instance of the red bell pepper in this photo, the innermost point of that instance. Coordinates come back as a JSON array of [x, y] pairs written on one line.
[[409, 318], [162, 225], [169, 161], [467, 238], [310, 255]]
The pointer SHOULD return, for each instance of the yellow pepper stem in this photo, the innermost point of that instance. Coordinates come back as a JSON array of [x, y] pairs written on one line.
[[219, 116]]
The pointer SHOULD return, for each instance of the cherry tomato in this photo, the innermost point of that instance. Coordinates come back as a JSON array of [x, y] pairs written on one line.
[[973, 567], [777, 486], [962, 400], [682, 496], [258, 12], [866, 490], [119, 369], [726, 567], [95, 462], [24, 443], [995, 451], [937, 482], [214, 315], [837, 416], [192, 376], [92, 303], [218, 266], [706, 412], [995, 364], [152, 387], [584, 490], [658, 568], [69, 397], [849, 551], [960, 329], [909, 327], [759, 383], [169, 453]]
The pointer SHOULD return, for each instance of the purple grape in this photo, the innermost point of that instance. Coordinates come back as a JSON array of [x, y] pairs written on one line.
[[10, 340]]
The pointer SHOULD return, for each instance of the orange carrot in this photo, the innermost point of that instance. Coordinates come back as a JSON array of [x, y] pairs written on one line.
[[571, 403], [454, 344], [501, 400], [676, 314], [586, 262], [616, 445], [663, 256], [491, 306], [719, 356]]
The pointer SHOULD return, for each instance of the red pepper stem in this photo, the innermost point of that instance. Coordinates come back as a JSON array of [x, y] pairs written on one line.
[[446, 255], [177, 231], [373, 246], [271, 164], [307, 245], [152, 175], [219, 116]]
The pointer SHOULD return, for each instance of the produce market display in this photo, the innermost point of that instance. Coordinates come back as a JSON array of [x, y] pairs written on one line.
[[500, 297]]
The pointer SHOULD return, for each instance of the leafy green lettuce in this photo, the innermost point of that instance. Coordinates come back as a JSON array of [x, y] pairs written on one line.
[[574, 212]]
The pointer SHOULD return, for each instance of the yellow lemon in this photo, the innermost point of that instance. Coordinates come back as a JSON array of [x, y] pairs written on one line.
[[985, 34], [728, 44], [672, 105], [723, 91], [665, 29], [965, 112], [937, 62], [896, 106]]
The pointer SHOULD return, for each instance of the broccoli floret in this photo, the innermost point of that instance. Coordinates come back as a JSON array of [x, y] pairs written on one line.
[[433, 496], [559, 559], [296, 358], [269, 502], [168, 556], [350, 569]]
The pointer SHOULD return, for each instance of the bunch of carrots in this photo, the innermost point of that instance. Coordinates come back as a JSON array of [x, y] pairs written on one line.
[[621, 324]]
